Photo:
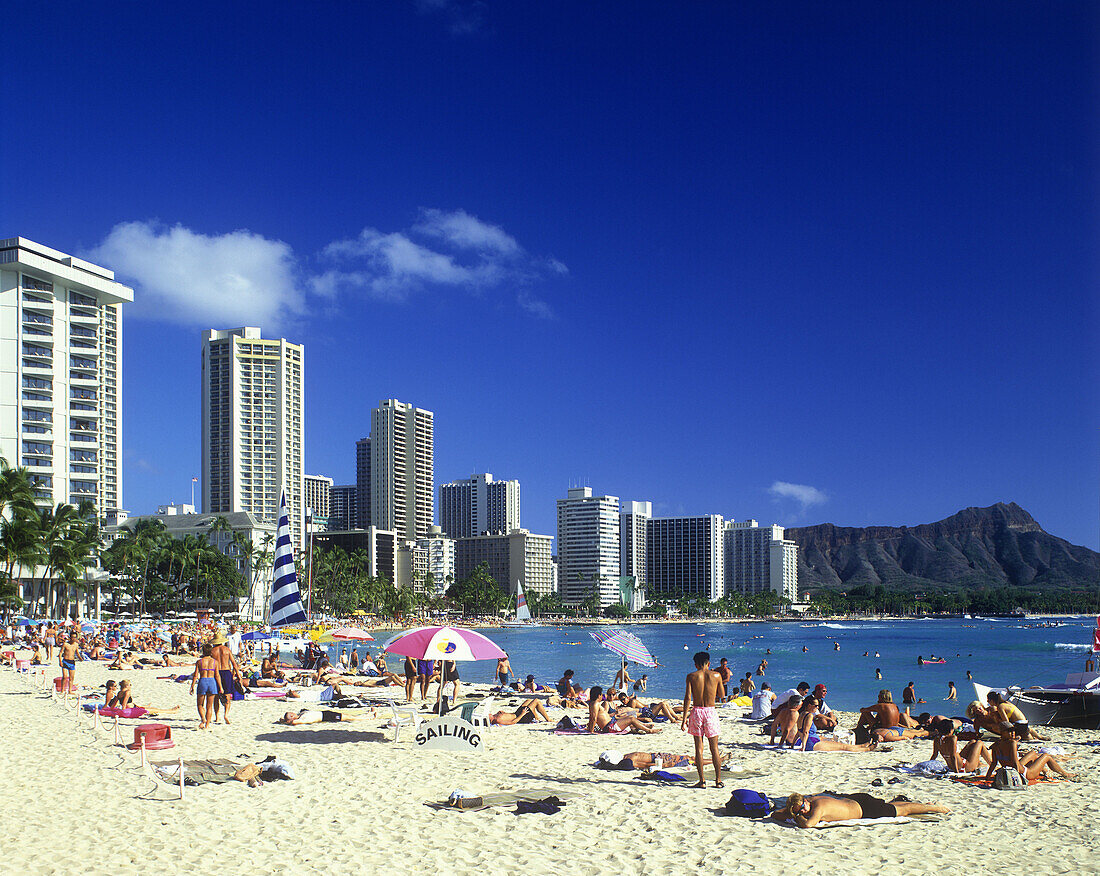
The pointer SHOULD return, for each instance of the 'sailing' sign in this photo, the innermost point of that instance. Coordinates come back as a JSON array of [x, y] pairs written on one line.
[[448, 734]]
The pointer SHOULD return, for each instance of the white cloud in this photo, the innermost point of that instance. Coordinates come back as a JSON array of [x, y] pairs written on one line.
[[464, 231], [805, 495], [194, 279], [534, 306], [464, 17], [441, 249], [242, 278]]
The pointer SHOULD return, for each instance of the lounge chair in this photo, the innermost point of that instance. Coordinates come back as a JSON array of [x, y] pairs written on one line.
[[403, 715]]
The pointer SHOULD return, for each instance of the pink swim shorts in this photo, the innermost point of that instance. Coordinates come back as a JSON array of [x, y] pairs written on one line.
[[703, 721]]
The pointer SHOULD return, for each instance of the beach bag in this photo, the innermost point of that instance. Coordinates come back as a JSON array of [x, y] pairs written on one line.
[[567, 723], [749, 804], [1005, 779]]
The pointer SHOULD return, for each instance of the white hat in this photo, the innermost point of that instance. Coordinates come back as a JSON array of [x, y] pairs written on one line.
[[611, 756]]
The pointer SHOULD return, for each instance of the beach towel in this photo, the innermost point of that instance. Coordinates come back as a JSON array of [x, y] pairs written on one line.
[[504, 798], [660, 776], [983, 782], [197, 772], [862, 822]]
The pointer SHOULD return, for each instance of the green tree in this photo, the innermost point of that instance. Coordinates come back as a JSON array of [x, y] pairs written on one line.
[[478, 594]]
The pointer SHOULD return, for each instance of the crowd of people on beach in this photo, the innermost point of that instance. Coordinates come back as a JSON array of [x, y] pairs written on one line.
[[224, 667]]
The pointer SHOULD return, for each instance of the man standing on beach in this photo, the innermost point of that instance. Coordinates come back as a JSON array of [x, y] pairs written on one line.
[[67, 660], [700, 716], [504, 670], [228, 672], [725, 673]]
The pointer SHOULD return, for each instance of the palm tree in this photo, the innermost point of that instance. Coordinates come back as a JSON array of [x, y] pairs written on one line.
[[20, 544], [16, 491]]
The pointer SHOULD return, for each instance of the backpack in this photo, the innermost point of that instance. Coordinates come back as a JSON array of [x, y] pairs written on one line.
[[1005, 779], [749, 804]]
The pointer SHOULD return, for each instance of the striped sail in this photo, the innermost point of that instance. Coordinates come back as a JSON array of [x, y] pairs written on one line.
[[286, 601], [523, 613]]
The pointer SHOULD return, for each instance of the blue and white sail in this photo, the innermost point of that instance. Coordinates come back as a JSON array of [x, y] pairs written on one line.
[[286, 600]]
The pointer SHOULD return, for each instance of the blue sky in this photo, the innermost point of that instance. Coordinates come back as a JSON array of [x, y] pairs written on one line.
[[798, 262]]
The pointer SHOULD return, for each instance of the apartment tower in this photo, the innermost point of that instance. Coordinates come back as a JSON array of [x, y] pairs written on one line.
[[479, 505], [402, 478], [588, 547], [252, 426], [61, 357]]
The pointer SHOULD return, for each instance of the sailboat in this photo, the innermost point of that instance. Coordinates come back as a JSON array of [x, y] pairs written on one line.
[[286, 600], [523, 613], [1076, 703]]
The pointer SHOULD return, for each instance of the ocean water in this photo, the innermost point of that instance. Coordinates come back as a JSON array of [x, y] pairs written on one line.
[[997, 653]]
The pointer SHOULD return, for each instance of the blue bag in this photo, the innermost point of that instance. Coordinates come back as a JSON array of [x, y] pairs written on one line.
[[750, 804]]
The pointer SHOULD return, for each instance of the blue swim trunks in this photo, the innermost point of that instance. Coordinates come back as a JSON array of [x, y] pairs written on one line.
[[207, 687], [69, 664]]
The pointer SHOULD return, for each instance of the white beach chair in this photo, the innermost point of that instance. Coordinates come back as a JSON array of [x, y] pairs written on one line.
[[480, 716], [403, 715]]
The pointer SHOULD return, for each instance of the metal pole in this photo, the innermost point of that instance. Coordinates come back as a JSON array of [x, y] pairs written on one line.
[[309, 560]]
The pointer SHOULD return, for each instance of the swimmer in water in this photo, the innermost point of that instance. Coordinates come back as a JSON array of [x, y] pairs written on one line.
[[878, 674]]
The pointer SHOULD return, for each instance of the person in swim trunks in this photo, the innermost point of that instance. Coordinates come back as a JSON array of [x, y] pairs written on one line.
[[228, 671], [207, 686], [664, 760], [319, 716], [700, 716], [67, 659], [425, 669], [529, 712], [813, 809]]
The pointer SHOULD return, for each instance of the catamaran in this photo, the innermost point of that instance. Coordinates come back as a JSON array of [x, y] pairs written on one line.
[[1073, 704], [523, 613]]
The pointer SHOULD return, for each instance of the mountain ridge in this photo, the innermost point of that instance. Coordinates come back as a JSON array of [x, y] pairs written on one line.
[[1000, 545]]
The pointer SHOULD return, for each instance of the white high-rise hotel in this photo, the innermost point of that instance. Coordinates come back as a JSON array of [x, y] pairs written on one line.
[[588, 547], [479, 505], [252, 429], [61, 373], [402, 469]]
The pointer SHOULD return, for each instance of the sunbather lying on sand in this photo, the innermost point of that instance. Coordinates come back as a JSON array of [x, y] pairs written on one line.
[[813, 809], [529, 712], [656, 709], [319, 716], [663, 760]]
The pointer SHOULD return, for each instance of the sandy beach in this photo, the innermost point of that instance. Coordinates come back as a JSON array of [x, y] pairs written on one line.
[[76, 802]]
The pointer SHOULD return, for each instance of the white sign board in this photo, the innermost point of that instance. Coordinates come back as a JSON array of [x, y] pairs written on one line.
[[448, 734]]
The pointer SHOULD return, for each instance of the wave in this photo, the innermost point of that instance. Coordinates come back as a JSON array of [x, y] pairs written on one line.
[[1072, 646]]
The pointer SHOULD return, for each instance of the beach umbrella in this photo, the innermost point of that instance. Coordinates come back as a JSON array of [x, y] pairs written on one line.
[[443, 643], [352, 633], [87, 627], [256, 636], [626, 645]]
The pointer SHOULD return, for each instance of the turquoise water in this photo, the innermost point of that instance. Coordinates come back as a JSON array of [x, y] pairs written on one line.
[[997, 653]]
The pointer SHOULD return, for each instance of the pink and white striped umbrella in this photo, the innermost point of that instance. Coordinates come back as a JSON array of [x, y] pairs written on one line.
[[443, 643]]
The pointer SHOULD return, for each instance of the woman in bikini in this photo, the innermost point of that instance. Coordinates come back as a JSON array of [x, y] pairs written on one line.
[[601, 721], [1005, 752]]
